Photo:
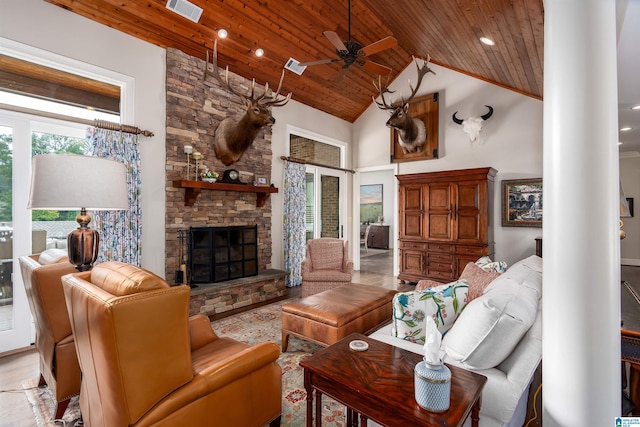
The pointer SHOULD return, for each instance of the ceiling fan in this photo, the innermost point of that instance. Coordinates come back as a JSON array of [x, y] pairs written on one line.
[[351, 52]]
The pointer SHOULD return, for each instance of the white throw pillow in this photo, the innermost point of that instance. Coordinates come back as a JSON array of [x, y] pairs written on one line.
[[491, 326]]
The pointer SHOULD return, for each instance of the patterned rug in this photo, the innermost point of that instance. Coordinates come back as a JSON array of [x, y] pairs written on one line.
[[253, 326]]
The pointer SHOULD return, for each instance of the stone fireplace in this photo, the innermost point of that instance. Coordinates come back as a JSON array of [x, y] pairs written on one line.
[[195, 107]]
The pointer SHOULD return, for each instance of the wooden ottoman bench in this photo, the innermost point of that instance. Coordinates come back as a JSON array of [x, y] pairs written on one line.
[[329, 316]]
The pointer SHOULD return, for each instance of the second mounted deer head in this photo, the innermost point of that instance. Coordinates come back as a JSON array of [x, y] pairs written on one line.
[[411, 130], [235, 135]]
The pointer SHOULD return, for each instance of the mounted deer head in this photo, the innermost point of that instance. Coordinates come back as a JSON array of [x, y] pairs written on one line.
[[411, 130], [235, 135], [473, 125]]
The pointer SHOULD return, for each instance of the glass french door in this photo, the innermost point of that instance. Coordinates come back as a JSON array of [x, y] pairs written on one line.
[[325, 208], [20, 139]]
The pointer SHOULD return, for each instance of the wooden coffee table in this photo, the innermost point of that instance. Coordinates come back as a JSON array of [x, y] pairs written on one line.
[[378, 384]]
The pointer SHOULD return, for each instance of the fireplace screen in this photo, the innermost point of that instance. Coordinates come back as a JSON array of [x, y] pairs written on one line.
[[217, 254]]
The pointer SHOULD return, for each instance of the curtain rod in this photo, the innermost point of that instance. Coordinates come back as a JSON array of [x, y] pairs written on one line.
[[103, 124], [304, 162]]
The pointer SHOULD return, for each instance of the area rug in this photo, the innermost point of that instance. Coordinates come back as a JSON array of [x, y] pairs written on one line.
[[253, 326]]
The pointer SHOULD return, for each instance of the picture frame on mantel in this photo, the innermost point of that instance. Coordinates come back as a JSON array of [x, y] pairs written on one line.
[[424, 108], [522, 203]]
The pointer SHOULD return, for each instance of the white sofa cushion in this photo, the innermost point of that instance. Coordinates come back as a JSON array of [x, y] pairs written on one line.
[[492, 325], [442, 303]]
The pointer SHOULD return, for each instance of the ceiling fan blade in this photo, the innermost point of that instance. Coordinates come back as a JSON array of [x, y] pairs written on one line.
[[335, 40], [322, 61], [376, 68], [380, 45]]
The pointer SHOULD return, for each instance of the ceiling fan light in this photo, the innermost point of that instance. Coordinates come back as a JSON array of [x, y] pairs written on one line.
[[222, 33], [259, 52], [487, 41]]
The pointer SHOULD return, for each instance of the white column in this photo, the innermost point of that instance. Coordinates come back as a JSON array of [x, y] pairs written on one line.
[[581, 290]]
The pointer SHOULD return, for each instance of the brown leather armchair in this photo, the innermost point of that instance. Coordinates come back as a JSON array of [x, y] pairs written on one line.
[[146, 363], [59, 367], [326, 266]]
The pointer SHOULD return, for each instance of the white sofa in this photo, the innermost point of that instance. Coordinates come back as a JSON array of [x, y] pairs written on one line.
[[487, 338]]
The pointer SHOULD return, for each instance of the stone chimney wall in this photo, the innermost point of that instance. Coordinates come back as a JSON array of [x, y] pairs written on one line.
[[195, 107]]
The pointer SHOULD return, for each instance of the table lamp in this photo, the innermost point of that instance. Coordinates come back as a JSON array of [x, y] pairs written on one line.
[[72, 182]]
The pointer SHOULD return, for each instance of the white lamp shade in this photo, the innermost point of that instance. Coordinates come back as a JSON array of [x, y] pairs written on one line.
[[72, 182]]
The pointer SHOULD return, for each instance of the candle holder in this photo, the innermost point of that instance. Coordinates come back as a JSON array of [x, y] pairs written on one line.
[[188, 150], [196, 156]]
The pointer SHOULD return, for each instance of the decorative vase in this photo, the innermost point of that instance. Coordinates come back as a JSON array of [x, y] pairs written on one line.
[[432, 386], [209, 179]]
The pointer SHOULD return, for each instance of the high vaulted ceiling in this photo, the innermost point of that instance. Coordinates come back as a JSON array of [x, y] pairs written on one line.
[[446, 30]]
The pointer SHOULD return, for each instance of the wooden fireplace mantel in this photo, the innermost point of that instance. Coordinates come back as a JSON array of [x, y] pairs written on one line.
[[192, 189]]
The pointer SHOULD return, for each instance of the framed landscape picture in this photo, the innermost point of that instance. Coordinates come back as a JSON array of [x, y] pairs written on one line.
[[522, 203], [370, 203]]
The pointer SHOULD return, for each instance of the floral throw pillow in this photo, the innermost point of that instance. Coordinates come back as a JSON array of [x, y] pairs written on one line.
[[443, 303], [478, 279], [486, 264]]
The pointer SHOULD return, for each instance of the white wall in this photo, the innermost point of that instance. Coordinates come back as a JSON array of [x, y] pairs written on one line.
[[51, 28], [630, 179], [512, 141], [304, 117]]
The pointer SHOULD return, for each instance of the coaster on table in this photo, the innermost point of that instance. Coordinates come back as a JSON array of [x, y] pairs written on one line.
[[358, 345]]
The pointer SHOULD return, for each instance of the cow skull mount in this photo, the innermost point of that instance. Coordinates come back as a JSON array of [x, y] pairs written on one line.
[[235, 135], [473, 125]]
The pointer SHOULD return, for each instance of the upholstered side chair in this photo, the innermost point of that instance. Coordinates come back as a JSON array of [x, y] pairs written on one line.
[[326, 266], [59, 368], [145, 362]]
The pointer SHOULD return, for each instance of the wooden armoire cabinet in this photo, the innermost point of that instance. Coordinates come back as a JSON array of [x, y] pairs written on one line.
[[444, 222]]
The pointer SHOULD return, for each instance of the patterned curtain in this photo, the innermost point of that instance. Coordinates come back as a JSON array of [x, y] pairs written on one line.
[[294, 227], [120, 231]]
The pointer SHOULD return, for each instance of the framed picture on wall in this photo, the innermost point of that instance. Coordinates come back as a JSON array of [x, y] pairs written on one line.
[[522, 203], [370, 203]]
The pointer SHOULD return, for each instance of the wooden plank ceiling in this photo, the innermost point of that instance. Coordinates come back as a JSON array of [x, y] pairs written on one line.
[[447, 30]]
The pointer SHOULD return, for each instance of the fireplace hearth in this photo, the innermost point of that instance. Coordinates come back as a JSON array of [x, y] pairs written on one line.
[[218, 254]]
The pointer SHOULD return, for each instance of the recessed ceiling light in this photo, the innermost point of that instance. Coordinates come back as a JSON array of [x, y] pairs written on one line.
[[222, 33], [259, 52], [624, 129], [636, 107], [487, 41]]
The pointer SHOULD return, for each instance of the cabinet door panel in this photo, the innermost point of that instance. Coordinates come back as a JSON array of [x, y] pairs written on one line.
[[439, 215], [413, 197], [468, 227], [412, 262], [412, 225], [439, 226], [439, 197]]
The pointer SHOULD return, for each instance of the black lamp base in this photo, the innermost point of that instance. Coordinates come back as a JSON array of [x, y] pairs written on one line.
[[82, 243]]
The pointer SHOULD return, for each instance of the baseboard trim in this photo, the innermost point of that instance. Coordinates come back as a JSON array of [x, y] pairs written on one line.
[[630, 261]]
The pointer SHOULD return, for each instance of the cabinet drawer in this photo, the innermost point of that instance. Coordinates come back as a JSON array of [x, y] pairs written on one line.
[[408, 244], [470, 250], [439, 256], [445, 276], [438, 247], [440, 266]]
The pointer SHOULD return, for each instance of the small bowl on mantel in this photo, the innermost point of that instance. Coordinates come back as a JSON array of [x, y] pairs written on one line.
[[209, 179]]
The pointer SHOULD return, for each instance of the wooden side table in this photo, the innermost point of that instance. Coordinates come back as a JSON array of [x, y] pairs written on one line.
[[539, 246], [372, 381]]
